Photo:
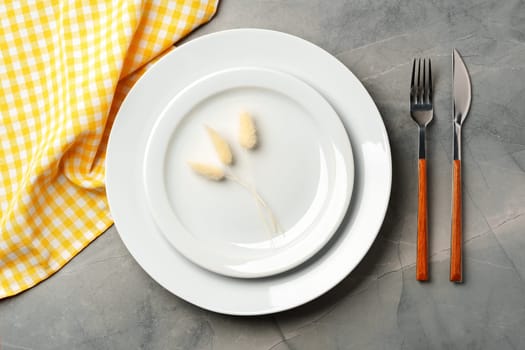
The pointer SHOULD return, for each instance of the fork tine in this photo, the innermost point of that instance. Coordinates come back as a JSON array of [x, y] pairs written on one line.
[[424, 85], [429, 81], [419, 88], [412, 90]]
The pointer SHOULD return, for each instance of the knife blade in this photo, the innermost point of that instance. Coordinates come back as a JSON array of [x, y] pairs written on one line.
[[462, 91]]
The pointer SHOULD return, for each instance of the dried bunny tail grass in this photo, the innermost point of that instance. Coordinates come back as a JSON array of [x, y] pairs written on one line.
[[208, 171], [247, 131], [221, 146]]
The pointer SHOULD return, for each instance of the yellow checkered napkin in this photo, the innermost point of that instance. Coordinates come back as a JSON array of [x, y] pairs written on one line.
[[65, 66]]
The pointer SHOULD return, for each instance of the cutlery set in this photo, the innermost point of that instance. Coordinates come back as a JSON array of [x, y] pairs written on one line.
[[421, 110]]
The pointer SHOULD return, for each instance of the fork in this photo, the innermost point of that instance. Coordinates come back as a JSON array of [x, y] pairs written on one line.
[[422, 111]]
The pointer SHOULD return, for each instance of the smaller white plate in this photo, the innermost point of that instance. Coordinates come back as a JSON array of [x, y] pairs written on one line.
[[303, 169]]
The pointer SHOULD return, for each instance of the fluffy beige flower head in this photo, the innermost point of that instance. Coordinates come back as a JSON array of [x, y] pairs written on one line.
[[247, 131], [221, 147], [208, 171]]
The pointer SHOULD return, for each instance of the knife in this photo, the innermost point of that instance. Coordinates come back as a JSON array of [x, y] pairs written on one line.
[[462, 99]]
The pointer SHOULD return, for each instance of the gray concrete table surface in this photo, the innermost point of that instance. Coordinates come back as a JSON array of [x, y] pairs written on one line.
[[104, 300]]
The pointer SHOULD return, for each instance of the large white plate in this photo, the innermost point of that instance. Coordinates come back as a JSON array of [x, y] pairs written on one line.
[[230, 49], [303, 168]]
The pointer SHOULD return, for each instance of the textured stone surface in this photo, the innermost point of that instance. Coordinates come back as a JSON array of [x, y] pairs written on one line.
[[103, 299]]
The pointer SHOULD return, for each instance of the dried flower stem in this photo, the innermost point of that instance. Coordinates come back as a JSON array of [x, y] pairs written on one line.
[[274, 225]]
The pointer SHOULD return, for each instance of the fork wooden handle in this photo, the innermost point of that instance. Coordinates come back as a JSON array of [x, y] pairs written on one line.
[[422, 233], [456, 241]]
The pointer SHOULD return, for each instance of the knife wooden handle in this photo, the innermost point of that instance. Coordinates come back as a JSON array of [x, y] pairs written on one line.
[[422, 233], [456, 241]]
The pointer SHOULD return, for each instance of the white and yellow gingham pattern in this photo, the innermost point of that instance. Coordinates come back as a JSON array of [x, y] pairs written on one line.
[[65, 66]]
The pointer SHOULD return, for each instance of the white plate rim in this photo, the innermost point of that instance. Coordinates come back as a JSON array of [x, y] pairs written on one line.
[[337, 202], [333, 255]]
